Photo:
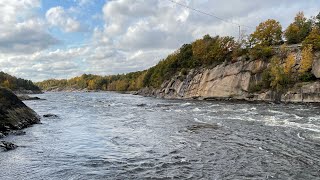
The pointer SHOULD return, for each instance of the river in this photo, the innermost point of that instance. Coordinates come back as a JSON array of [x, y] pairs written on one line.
[[121, 136]]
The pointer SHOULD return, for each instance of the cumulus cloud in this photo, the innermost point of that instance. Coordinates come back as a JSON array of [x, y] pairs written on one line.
[[21, 31], [57, 16], [135, 34]]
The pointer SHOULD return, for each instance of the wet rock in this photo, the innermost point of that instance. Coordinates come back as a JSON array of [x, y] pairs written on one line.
[[14, 114], [28, 98], [134, 93], [2, 135], [7, 146], [197, 127], [50, 116], [141, 105], [17, 133]]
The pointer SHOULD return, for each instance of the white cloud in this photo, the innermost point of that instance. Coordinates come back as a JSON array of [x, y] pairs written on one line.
[[135, 34], [57, 16], [21, 31]]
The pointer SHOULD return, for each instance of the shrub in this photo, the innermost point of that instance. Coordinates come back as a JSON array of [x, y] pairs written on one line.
[[263, 84], [307, 77], [255, 87], [261, 52]]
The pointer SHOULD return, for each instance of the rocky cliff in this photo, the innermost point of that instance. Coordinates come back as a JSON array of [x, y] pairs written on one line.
[[14, 114], [233, 80]]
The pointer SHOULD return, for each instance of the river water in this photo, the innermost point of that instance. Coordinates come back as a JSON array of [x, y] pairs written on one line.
[[121, 136]]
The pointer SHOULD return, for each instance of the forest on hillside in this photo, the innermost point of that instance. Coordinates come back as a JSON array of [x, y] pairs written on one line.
[[17, 84], [211, 51]]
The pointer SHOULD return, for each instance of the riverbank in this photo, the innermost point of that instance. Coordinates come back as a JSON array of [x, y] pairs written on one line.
[[14, 114], [242, 80]]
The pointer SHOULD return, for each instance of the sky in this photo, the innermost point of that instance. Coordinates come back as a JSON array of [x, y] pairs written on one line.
[[45, 39]]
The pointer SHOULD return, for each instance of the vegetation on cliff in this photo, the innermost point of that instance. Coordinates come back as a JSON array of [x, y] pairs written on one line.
[[269, 42]]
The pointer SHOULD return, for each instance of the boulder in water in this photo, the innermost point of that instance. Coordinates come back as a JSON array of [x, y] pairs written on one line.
[[28, 98], [7, 146], [50, 116], [14, 114]]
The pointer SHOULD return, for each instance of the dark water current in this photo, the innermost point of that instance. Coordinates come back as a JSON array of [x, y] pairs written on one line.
[[120, 136]]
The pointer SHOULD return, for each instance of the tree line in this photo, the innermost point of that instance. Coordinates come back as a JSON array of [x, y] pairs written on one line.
[[211, 51], [16, 84]]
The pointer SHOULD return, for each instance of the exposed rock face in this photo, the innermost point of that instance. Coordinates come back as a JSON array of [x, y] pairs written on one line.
[[14, 114], [306, 92], [232, 81], [223, 81], [316, 67]]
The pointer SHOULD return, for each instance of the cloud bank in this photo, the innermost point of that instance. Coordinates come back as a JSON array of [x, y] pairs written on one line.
[[131, 35]]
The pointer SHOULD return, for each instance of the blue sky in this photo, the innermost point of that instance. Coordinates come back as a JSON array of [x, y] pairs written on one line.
[[89, 13], [43, 39]]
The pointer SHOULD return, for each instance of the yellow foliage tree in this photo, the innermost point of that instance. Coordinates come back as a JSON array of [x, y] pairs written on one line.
[[275, 71], [139, 83], [307, 59], [199, 48], [267, 33], [289, 64], [6, 84], [279, 79], [91, 84]]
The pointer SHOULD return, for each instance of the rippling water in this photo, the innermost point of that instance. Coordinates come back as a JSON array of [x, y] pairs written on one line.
[[120, 136]]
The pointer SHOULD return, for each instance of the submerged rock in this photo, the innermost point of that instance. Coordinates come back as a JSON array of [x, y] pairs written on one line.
[[28, 98], [7, 146], [50, 116], [141, 105], [17, 133], [197, 127], [14, 114]]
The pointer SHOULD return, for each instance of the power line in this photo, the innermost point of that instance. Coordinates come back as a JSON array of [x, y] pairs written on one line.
[[208, 14], [212, 15]]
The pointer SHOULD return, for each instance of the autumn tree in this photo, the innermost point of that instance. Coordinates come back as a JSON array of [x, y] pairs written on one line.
[[6, 84], [279, 79], [306, 60], [313, 39], [267, 33], [298, 30], [289, 64]]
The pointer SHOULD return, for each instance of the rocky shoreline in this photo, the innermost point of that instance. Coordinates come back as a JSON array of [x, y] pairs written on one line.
[[14, 116]]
